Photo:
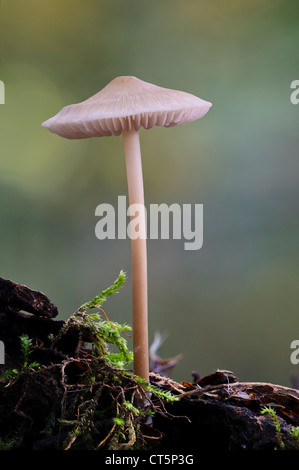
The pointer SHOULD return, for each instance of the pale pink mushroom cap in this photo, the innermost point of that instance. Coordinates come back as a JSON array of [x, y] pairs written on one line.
[[126, 103]]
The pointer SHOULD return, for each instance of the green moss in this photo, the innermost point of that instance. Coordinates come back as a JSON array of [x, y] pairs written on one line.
[[273, 415], [291, 438], [100, 332], [99, 403]]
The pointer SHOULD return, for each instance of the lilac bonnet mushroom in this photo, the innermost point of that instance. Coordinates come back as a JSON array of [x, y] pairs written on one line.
[[121, 108]]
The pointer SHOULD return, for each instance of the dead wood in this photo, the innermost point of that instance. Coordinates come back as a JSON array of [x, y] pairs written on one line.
[[72, 400]]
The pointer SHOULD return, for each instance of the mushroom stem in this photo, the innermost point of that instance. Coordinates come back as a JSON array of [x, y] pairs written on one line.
[[139, 255]]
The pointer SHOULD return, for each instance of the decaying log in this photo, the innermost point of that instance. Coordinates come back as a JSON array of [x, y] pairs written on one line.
[[17, 297], [230, 417], [214, 412]]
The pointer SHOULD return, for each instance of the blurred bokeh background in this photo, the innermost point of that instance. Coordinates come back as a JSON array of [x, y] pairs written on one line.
[[234, 303]]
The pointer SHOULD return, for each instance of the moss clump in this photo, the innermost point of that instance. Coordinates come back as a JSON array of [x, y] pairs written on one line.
[[84, 401], [101, 333]]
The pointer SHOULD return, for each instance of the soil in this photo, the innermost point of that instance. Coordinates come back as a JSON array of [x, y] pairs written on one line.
[[76, 401]]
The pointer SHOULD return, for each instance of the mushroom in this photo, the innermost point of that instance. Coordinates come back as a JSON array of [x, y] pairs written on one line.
[[122, 107]]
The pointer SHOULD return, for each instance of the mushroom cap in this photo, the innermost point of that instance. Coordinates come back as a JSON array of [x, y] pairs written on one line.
[[126, 103]]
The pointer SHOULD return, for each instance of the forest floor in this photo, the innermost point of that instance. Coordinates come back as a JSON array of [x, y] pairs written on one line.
[[60, 395]]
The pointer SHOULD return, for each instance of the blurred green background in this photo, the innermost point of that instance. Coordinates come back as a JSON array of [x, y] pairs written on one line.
[[234, 303]]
